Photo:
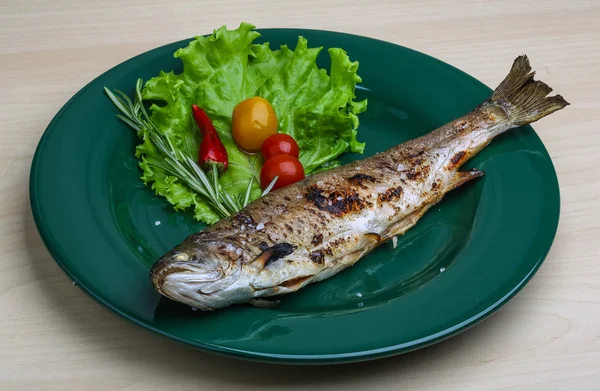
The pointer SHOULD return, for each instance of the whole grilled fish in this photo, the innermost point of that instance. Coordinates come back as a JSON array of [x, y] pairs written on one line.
[[315, 228]]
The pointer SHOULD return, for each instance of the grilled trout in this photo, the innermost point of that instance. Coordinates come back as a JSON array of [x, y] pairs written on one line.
[[313, 229]]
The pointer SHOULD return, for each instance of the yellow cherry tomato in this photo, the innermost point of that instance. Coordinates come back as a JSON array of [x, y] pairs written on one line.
[[253, 121]]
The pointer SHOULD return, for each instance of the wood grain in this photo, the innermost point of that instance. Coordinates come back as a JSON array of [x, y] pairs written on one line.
[[54, 337]]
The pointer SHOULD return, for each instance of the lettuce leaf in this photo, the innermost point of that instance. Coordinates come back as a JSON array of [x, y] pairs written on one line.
[[316, 108]]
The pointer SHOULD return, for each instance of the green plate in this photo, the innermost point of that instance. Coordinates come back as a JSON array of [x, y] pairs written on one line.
[[466, 257]]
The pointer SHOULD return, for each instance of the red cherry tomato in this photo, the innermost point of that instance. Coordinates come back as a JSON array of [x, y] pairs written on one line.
[[278, 144], [286, 167]]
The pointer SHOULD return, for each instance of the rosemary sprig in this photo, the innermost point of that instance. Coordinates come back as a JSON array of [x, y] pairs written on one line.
[[176, 163]]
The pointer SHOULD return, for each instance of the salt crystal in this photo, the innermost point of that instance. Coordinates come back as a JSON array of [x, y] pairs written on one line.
[[140, 249], [298, 196], [260, 226], [320, 183], [329, 203], [359, 294], [443, 269], [360, 304], [400, 167], [238, 251], [243, 242], [340, 198], [157, 223], [394, 241], [243, 227], [194, 309]]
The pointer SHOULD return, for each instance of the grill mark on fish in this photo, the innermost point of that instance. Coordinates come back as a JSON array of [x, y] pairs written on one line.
[[338, 203], [321, 219], [280, 209], [417, 154], [467, 124], [456, 159], [390, 195], [245, 219], [317, 256], [412, 175], [359, 179], [334, 245], [317, 239], [385, 166], [338, 241]]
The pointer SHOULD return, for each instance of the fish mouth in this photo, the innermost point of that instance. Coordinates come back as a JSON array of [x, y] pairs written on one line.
[[198, 264], [184, 282], [161, 271]]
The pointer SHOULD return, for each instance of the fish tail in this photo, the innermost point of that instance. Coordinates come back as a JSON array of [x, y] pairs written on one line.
[[524, 99]]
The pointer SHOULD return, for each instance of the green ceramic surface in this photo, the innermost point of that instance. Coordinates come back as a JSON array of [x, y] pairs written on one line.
[[466, 257]]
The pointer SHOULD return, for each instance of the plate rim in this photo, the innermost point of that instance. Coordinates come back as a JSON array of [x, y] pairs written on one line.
[[318, 359]]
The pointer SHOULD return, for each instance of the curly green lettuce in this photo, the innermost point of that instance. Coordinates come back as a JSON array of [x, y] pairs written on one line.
[[316, 108]]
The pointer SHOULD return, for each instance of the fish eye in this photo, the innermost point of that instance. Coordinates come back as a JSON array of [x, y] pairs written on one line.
[[181, 257]]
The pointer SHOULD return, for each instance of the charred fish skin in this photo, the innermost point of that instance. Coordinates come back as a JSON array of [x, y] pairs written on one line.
[[315, 228]]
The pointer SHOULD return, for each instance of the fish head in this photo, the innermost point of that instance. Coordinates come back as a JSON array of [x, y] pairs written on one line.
[[197, 272]]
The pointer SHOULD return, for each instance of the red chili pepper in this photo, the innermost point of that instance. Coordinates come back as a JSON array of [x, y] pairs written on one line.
[[211, 147]]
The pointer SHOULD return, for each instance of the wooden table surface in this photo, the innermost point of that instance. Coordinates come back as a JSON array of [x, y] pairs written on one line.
[[55, 337]]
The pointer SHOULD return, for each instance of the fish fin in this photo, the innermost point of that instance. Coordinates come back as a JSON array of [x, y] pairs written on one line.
[[367, 243], [372, 238], [296, 283], [404, 225], [524, 99], [461, 177], [458, 179], [262, 303], [272, 254]]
